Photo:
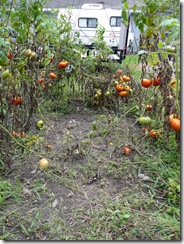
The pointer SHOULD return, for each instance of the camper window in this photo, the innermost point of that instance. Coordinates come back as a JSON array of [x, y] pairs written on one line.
[[87, 22], [115, 21]]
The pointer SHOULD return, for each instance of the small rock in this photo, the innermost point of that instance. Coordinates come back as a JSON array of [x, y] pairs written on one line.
[[141, 176], [33, 172], [146, 178], [55, 203]]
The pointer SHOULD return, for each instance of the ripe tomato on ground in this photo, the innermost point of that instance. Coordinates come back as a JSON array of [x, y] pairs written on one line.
[[127, 151], [149, 107]]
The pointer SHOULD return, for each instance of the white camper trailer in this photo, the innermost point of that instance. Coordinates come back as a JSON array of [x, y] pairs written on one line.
[[86, 20]]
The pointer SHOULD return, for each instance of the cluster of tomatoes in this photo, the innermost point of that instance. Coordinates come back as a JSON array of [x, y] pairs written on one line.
[[16, 100], [62, 64], [149, 82], [121, 84], [18, 134]]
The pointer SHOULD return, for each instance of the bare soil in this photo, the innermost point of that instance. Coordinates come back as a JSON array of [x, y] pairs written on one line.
[[88, 171]]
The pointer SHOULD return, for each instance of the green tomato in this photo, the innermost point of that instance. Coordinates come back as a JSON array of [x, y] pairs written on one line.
[[95, 96], [108, 93], [5, 74], [145, 120], [39, 124], [99, 93], [170, 49], [28, 53]]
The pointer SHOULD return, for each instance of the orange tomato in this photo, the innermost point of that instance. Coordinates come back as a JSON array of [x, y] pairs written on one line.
[[149, 107], [120, 87], [119, 72], [126, 78], [146, 83], [44, 87], [51, 59], [41, 80], [127, 151], [172, 116], [23, 134], [153, 134], [123, 93], [9, 55], [175, 124], [63, 64], [52, 75]]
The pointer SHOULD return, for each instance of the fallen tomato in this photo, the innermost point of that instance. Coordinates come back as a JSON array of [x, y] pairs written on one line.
[[145, 120], [149, 107], [43, 163], [127, 151]]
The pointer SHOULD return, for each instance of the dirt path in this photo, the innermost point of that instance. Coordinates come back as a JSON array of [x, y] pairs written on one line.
[[89, 177]]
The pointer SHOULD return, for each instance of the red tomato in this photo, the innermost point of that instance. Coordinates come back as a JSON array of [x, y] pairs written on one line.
[[41, 80], [149, 107], [156, 81], [18, 100], [146, 83], [63, 64], [52, 75], [9, 55]]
